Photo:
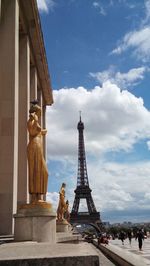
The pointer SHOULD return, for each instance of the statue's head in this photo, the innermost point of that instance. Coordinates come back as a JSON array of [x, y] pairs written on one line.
[[63, 185], [35, 108]]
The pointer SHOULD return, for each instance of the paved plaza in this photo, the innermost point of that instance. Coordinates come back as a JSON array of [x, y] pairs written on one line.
[[133, 248]]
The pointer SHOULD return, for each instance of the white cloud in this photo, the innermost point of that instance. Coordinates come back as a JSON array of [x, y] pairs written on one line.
[[124, 80], [115, 187], [114, 120], [120, 186], [46, 5], [148, 144], [99, 7], [147, 12], [53, 198], [147, 195], [96, 4], [138, 40]]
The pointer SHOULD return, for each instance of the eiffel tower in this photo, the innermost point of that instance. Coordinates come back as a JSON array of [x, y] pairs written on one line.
[[83, 190]]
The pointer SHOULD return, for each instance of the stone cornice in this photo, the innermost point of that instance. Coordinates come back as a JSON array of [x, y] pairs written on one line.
[[30, 25]]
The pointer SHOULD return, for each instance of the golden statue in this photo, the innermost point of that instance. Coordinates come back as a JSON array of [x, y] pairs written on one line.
[[38, 173], [62, 204], [67, 212]]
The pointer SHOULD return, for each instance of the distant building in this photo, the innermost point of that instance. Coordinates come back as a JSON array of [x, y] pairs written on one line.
[[24, 76], [106, 224]]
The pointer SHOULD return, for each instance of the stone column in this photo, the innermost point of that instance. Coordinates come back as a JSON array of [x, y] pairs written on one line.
[[24, 87], [44, 126], [44, 137], [42, 122], [9, 37], [40, 100], [33, 83], [33, 86], [0, 8]]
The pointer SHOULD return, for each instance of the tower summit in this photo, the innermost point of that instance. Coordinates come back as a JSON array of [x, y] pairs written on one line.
[[83, 190]]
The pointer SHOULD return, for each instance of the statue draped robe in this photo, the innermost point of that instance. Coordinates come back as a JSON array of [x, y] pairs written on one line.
[[38, 174], [61, 205]]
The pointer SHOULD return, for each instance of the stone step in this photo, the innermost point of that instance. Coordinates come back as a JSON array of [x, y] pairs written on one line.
[[37, 254]]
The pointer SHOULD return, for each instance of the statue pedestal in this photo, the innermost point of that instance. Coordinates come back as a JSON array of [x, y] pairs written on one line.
[[35, 222], [62, 226]]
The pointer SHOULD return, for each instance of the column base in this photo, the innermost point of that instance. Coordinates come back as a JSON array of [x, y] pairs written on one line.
[[35, 222]]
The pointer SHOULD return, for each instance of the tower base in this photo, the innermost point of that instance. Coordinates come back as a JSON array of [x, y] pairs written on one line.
[[85, 218]]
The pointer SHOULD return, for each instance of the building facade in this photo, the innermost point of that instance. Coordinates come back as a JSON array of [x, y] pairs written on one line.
[[24, 76]]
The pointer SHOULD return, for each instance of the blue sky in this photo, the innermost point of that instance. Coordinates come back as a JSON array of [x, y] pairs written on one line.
[[98, 54]]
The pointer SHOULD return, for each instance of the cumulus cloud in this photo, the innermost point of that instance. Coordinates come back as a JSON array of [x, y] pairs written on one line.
[[115, 187], [124, 80], [45, 5], [114, 120], [126, 186]]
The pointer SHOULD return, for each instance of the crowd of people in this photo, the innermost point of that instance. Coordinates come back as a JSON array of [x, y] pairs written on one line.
[[139, 236]]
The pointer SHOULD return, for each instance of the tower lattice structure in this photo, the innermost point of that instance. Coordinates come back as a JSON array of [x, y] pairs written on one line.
[[83, 190]]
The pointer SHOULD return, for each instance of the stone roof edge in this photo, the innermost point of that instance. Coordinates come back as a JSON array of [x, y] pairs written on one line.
[[38, 47]]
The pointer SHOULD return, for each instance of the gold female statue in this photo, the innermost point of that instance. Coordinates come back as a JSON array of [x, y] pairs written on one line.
[[67, 213], [62, 204], [38, 173]]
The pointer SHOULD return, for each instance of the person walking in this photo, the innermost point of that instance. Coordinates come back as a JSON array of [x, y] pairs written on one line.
[[140, 237], [130, 236], [122, 237]]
